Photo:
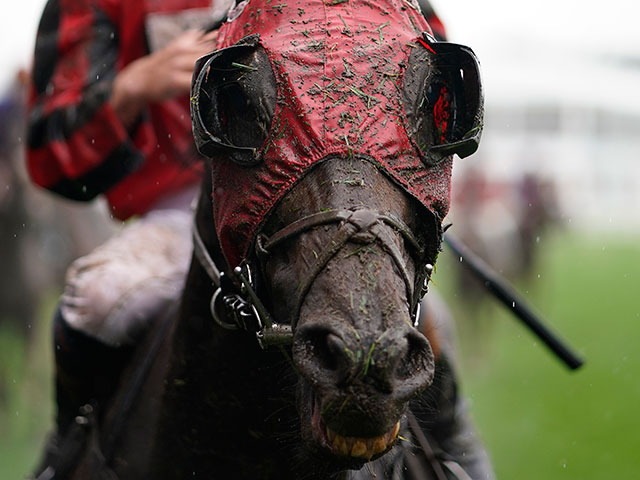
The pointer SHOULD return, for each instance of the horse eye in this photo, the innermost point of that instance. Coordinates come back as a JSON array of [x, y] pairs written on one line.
[[235, 100]]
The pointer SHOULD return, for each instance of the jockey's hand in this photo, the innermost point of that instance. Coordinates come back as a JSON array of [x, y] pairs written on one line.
[[159, 76]]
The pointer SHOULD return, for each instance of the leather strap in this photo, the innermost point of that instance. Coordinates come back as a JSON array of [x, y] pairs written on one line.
[[362, 225]]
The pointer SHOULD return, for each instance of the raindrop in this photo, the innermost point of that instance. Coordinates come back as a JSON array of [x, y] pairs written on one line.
[[513, 304]]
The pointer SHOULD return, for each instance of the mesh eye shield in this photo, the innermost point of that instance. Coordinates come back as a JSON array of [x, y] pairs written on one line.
[[453, 76]]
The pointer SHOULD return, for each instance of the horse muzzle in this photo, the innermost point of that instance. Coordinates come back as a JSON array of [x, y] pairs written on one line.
[[358, 385]]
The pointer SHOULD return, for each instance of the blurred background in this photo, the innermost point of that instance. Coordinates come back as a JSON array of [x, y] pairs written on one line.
[[550, 201]]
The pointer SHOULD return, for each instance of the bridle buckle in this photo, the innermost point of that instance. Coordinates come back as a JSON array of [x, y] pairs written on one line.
[[246, 313]]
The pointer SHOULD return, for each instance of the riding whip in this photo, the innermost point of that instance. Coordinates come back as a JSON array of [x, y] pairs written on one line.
[[511, 299]]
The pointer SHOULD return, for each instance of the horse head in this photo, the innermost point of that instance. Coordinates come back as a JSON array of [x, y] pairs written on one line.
[[330, 128]]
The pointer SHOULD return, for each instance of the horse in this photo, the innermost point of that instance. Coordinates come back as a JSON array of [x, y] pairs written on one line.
[[299, 349]]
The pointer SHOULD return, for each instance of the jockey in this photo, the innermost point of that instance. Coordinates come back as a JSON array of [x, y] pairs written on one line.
[[109, 114]]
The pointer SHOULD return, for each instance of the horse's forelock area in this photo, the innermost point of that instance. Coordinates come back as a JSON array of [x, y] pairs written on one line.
[[339, 69]]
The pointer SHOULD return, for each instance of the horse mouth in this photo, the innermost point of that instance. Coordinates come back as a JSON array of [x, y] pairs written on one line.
[[361, 448]]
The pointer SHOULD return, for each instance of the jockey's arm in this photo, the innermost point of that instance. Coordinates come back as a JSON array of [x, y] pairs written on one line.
[[74, 135], [84, 107]]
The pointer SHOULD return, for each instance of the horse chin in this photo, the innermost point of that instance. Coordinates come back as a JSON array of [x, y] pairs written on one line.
[[339, 451]]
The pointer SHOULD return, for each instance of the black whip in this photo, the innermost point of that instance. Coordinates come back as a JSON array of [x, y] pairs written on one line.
[[511, 299]]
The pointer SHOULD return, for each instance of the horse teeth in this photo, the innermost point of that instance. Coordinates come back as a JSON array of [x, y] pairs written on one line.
[[340, 445], [379, 444], [360, 449], [349, 442]]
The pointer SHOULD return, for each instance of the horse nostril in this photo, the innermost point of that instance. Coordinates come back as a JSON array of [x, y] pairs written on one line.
[[327, 347], [337, 353], [318, 345], [417, 361], [404, 364], [322, 354]]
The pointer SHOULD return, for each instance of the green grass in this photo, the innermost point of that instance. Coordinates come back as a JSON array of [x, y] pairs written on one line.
[[538, 419], [25, 398]]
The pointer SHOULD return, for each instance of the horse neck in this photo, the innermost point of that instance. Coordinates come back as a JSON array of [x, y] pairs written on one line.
[[225, 398]]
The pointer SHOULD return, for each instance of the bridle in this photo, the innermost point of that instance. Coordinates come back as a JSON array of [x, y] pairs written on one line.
[[235, 304]]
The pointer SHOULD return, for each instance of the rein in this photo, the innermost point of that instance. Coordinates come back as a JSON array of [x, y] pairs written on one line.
[[245, 309]]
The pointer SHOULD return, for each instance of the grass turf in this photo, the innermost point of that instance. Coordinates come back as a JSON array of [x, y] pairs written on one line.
[[538, 419]]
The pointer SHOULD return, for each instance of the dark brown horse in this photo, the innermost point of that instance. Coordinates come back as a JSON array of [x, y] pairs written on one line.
[[331, 151]]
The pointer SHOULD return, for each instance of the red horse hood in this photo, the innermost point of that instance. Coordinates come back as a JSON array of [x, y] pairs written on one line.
[[339, 67]]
